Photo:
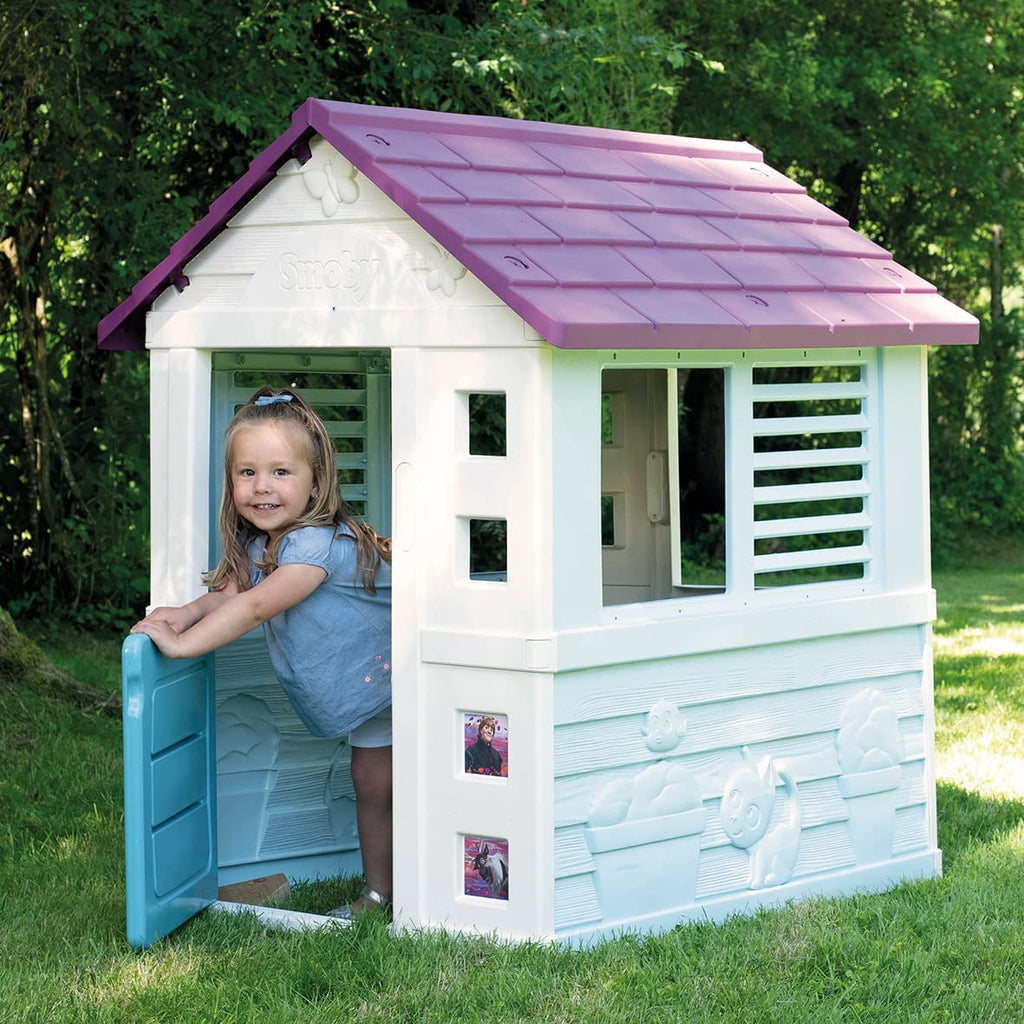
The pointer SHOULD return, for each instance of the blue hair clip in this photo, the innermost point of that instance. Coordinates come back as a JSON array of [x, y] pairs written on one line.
[[272, 399]]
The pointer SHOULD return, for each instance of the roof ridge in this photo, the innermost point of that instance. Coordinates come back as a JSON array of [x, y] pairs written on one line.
[[313, 111]]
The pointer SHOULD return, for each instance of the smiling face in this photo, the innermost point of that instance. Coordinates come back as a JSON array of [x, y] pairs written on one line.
[[271, 479]]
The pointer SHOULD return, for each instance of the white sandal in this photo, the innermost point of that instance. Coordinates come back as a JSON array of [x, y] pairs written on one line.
[[373, 901]]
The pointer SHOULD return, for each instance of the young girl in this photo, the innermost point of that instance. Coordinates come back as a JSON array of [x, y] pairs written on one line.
[[319, 583]]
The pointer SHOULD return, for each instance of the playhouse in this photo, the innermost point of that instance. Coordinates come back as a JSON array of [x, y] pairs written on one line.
[[648, 426]]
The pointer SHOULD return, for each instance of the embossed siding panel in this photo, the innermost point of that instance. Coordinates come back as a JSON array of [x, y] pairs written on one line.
[[575, 902], [802, 766], [571, 854], [825, 848], [301, 832], [212, 292], [589, 746], [912, 731], [300, 785], [722, 675], [911, 831], [726, 869], [811, 758]]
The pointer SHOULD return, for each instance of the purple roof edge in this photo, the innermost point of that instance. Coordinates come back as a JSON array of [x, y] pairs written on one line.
[[124, 327]]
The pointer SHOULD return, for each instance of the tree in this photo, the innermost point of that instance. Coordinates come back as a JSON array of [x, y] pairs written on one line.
[[119, 122], [903, 115]]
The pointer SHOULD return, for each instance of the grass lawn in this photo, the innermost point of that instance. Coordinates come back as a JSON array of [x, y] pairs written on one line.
[[944, 950]]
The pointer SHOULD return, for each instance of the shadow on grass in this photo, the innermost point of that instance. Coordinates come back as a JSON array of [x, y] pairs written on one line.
[[984, 611], [966, 819]]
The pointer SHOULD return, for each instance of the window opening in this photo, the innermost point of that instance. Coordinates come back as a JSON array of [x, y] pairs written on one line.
[[769, 477], [608, 417], [350, 392], [635, 534], [697, 481], [488, 550], [487, 430], [608, 520]]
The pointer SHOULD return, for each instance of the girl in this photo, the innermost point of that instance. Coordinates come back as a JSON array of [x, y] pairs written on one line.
[[319, 583]]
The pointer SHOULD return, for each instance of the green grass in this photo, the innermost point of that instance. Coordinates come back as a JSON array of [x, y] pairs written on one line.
[[943, 950]]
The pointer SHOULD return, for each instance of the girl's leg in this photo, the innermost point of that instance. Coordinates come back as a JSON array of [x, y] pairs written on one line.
[[371, 776]]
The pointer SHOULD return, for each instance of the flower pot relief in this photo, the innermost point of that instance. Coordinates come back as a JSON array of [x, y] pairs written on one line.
[[869, 749], [644, 835]]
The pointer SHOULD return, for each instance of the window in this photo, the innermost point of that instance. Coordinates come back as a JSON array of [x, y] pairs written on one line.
[[487, 431], [747, 476], [697, 478], [488, 550]]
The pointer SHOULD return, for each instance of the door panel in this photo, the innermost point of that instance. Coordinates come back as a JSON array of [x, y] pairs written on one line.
[[169, 789]]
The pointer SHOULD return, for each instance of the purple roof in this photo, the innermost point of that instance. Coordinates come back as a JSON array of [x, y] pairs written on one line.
[[605, 239]]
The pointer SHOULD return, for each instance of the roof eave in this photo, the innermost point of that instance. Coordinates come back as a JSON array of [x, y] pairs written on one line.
[[124, 328]]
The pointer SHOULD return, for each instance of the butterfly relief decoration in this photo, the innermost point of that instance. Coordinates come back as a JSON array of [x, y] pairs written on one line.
[[331, 187]]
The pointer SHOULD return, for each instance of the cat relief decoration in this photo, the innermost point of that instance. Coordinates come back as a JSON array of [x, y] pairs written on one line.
[[748, 804], [869, 750]]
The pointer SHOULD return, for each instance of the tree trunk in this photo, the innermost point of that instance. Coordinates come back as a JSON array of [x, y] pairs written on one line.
[[23, 665], [996, 275]]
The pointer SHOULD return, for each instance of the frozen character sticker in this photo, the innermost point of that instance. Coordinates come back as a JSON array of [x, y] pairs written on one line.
[[485, 867], [485, 742]]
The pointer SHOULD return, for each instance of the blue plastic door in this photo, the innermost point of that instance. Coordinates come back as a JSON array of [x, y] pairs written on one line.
[[170, 818]]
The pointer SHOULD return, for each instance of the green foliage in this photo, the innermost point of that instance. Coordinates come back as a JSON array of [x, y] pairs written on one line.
[[120, 122], [977, 442], [604, 62]]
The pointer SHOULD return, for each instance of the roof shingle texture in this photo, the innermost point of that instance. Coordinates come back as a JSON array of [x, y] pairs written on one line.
[[600, 238]]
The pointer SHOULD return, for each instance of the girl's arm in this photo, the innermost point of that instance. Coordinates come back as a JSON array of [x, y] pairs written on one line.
[[236, 614]]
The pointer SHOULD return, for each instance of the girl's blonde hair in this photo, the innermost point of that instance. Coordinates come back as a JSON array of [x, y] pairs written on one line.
[[326, 506]]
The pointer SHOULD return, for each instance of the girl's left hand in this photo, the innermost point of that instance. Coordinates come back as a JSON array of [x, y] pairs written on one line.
[[162, 634]]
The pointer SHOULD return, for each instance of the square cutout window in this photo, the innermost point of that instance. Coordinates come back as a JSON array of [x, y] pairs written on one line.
[[487, 428], [488, 550]]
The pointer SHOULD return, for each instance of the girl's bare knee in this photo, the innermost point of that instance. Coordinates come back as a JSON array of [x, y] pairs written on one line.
[[371, 773]]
